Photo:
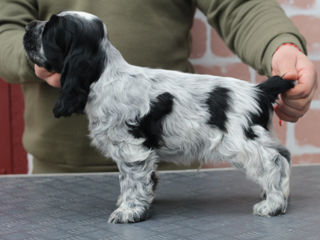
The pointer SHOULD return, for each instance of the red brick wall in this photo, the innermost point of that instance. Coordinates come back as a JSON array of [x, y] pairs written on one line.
[[210, 55], [13, 158], [5, 132]]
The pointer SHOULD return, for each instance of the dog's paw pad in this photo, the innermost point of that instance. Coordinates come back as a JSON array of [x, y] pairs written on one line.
[[128, 215]]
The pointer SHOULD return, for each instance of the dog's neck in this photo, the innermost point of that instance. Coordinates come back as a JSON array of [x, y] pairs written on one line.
[[114, 59], [116, 67]]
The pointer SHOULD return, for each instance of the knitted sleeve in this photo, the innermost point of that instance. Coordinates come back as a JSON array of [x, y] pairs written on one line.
[[14, 64]]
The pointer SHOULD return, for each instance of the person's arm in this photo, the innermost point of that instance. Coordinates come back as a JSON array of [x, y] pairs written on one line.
[[254, 29], [14, 64]]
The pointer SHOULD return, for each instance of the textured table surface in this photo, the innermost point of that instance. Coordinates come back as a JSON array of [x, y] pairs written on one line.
[[188, 205]]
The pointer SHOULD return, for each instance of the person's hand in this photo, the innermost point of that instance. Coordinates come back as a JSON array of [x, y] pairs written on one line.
[[292, 64], [53, 79]]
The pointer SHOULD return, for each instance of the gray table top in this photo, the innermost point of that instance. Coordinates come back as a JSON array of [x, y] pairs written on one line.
[[188, 205]]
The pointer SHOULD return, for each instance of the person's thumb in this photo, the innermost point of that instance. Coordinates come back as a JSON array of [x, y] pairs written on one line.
[[287, 69], [284, 64]]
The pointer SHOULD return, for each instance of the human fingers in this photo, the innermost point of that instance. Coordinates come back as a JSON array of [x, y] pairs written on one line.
[[300, 103], [53, 79], [283, 116], [307, 81], [41, 72], [291, 114]]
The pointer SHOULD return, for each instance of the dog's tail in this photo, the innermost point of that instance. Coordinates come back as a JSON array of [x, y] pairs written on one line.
[[273, 86]]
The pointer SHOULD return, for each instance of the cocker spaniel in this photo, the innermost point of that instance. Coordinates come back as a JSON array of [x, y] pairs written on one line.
[[139, 116]]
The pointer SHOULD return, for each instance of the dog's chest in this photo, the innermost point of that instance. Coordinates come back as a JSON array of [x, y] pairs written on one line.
[[99, 116], [103, 129], [108, 114]]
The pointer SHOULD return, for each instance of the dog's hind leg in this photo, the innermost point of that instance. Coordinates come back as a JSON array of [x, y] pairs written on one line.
[[269, 165], [137, 185], [275, 182]]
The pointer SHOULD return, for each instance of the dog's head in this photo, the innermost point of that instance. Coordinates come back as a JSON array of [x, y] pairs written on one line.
[[70, 43]]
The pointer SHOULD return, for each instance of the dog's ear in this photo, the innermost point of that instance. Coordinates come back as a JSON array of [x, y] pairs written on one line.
[[74, 89], [83, 64], [79, 71], [54, 41]]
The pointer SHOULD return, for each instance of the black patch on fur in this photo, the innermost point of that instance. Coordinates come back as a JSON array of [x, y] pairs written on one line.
[[150, 125], [219, 104], [262, 118], [274, 86], [284, 153], [267, 94], [154, 180], [249, 133], [72, 46]]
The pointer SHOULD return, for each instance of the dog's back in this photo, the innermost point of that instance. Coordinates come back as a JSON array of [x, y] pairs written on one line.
[[205, 112]]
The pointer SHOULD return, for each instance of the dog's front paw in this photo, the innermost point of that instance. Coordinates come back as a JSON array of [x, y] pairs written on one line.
[[128, 215], [268, 208], [119, 201]]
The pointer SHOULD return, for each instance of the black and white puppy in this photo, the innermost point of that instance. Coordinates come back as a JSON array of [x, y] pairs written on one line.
[[138, 116]]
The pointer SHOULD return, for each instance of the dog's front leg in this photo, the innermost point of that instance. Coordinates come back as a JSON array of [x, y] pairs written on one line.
[[137, 183]]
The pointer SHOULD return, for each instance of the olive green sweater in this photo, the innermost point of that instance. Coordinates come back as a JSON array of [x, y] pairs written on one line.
[[153, 33]]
